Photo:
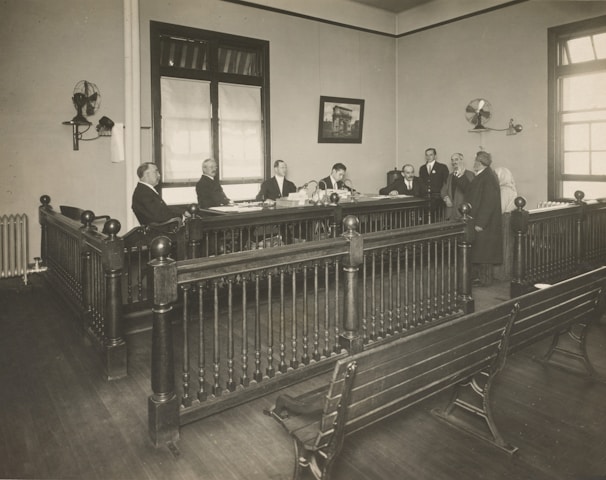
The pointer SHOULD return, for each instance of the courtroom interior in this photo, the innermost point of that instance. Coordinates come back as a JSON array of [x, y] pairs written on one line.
[[284, 239]]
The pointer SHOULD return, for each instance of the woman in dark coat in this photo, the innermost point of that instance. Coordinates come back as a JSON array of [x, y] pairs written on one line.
[[484, 195]]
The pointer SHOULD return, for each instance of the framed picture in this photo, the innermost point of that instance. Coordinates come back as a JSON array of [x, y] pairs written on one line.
[[341, 120]]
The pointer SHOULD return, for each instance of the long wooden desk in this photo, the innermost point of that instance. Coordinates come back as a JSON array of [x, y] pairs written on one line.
[[253, 226]]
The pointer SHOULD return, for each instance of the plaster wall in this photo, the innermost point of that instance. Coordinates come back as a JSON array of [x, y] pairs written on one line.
[[500, 56]]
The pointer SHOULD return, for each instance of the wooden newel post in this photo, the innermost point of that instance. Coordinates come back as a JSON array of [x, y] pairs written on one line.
[[45, 201], [465, 299], [90, 286], [350, 337], [162, 405], [519, 225], [114, 346], [193, 230], [579, 233]]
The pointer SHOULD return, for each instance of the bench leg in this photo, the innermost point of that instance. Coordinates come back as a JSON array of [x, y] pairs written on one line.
[[472, 397], [572, 343]]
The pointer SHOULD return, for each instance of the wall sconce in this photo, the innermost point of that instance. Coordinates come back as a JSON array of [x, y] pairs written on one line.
[[513, 129], [104, 127]]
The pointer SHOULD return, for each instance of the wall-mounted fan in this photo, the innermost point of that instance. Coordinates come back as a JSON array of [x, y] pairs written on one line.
[[87, 100], [478, 113]]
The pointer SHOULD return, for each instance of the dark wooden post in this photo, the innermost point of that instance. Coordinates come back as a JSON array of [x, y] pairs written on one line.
[[519, 225], [88, 284], [580, 232], [465, 299], [193, 232], [162, 405], [350, 338], [114, 346], [45, 201]]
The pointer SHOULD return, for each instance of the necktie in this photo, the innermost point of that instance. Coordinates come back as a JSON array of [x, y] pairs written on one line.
[[409, 184]]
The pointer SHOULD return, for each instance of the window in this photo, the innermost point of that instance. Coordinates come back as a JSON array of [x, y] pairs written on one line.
[[210, 98], [577, 109]]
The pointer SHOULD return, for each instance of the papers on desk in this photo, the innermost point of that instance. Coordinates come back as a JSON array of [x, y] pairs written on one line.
[[239, 207], [393, 196]]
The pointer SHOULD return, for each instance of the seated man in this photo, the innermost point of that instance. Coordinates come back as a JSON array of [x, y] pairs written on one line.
[[147, 203], [407, 184], [209, 190], [277, 186], [335, 180]]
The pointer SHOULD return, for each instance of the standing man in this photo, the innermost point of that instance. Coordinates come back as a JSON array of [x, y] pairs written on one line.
[[433, 175], [407, 184], [484, 195], [277, 186], [452, 192], [209, 190], [147, 204], [335, 180]]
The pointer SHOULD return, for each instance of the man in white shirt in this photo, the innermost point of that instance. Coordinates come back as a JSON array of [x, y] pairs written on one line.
[[335, 180], [277, 186]]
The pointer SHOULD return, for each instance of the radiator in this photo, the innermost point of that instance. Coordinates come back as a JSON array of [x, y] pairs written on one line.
[[14, 242]]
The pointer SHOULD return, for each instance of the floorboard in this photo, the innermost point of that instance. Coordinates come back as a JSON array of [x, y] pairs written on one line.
[[60, 420]]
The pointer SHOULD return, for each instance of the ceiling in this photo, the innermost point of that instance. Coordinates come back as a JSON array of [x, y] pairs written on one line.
[[395, 6]]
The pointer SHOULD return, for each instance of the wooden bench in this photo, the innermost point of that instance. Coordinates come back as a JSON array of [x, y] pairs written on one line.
[[466, 352]]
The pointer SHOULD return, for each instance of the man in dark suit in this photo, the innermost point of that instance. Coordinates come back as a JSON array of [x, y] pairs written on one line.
[[277, 186], [452, 191], [407, 184], [335, 180], [484, 195], [209, 190], [433, 175], [146, 202]]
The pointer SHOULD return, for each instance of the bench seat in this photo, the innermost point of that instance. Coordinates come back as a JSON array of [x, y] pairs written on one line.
[[466, 352]]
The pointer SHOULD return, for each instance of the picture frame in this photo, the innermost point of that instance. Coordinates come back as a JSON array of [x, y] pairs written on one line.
[[341, 120]]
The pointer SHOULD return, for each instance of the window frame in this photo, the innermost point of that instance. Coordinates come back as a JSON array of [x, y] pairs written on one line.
[[215, 40], [555, 154]]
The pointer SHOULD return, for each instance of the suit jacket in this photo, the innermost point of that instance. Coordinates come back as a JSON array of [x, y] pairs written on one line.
[[326, 184], [484, 195], [210, 193], [455, 190], [433, 181], [271, 190], [149, 206], [399, 184]]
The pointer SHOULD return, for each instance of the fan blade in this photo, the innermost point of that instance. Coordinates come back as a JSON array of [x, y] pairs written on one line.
[[481, 104], [470, 109], [484, 114], [93, 97]]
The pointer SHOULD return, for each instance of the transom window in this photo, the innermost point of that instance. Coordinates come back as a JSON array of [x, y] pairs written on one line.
[[210, 98], [577, 86]]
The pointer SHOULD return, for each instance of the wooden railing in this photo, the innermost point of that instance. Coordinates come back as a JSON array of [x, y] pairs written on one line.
[[552, 244], [85, 268], [201, 236], [253, 322]]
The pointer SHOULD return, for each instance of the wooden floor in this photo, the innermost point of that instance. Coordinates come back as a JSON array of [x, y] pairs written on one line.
[[60, 420]]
